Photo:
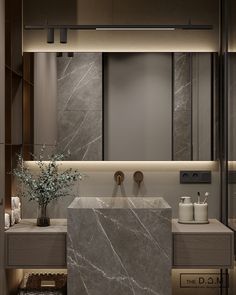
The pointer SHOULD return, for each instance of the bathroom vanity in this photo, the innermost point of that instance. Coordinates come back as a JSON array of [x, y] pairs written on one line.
[[98, 233], [193, 246]]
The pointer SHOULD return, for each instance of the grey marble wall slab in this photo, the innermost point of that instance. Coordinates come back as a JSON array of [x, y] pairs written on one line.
[[182, 135], [119, 251], [182, 106], [79, 109], [193, 96]]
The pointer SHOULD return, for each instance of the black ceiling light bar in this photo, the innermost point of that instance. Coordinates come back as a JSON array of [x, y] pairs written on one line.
[[64, 29], [121, 27]]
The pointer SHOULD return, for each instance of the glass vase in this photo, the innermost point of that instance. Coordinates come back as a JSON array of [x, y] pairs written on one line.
[[43, 219]]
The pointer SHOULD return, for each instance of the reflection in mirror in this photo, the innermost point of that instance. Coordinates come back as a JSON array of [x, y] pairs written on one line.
[[158, 106], [121, 106], [68, 103]]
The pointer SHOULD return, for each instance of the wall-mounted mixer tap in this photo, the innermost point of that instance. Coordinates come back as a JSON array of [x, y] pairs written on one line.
[[119, 177]]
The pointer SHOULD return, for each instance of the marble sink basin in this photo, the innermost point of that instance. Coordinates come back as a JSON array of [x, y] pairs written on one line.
[[119, 245]]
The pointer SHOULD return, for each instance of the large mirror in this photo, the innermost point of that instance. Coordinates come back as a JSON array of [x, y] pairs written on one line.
[[121, 106]]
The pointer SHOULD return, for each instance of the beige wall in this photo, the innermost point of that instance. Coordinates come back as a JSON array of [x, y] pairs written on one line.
[[45, 99], [138, 107], [201, 104], [160, 179], [128, 12]]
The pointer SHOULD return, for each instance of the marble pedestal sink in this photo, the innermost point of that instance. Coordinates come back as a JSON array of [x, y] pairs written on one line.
[[119, 246]]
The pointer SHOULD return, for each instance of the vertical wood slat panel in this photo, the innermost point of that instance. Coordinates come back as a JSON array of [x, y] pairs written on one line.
[[13, 92]]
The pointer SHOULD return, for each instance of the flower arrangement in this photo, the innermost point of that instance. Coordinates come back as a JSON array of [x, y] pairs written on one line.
[[50, 183]]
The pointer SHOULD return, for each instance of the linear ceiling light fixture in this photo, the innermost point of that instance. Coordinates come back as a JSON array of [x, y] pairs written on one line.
[[121, 27], [64, 29]]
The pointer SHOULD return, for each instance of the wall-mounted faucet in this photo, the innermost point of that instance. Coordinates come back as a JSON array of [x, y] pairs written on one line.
[[119, 177], [138, 177]]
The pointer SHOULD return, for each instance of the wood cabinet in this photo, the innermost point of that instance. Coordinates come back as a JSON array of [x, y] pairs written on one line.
[[208, 246], [29, 246], [202, 246]]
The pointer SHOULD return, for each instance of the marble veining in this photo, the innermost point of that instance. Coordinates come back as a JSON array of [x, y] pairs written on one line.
[[79, 107], [182, 105], [119, 247]]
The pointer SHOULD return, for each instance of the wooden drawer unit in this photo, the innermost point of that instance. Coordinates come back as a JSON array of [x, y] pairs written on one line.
[[38, 248], [202, 246], [194, 246]]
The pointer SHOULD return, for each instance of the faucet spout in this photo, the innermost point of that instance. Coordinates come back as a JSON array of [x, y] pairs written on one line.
[[119, 177]]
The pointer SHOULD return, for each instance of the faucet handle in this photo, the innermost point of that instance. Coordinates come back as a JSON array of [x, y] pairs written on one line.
[[119, 177], [138, 177]]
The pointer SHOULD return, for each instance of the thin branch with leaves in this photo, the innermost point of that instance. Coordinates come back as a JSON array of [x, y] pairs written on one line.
[[50, 183]]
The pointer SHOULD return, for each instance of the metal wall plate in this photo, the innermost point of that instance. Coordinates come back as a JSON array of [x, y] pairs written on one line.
[[195, 176], [232, 177]]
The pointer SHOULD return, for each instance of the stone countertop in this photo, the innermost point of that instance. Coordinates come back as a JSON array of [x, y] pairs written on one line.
[[29, 226], [60, 226], [119, 203], [214, 226]]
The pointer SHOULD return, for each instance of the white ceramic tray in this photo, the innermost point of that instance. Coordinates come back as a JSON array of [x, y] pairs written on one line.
[[193, 222]]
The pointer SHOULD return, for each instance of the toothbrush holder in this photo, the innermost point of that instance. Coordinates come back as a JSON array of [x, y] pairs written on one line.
[[201, 212]]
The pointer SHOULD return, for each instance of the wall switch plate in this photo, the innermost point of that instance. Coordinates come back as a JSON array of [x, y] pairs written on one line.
[[232, 177], [195, 176]]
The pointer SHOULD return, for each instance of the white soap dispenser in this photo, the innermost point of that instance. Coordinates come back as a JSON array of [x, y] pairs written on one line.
[[185, 210]]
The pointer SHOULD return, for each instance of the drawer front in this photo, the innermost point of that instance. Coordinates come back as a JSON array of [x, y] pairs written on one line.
[[199, 250], [37, 250]]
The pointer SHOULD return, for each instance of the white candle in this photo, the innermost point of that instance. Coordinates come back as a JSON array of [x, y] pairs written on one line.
[[7, 221]]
